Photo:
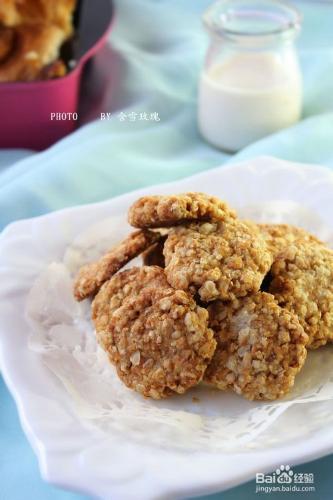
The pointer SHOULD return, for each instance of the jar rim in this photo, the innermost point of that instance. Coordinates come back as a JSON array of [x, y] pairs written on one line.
[[224, 18]]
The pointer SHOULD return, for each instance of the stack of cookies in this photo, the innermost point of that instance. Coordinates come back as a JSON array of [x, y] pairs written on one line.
[[228, 302], [32, 33]]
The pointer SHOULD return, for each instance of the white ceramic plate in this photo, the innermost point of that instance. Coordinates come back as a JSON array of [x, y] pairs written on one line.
[[76, 455]]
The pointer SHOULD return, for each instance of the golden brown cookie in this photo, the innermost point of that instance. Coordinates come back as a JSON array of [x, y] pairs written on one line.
[[219, 260], [170, 210], [122, 285], [280, 236], [32, 12], [91, 276], [260, 347], [302, 282], [158, 340], [32, 33], [32, 49]]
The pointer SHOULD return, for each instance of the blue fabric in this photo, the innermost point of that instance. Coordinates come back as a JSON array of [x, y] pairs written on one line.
[[157, 51]]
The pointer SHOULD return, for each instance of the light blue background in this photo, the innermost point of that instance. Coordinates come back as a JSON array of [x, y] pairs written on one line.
[[158, 47]]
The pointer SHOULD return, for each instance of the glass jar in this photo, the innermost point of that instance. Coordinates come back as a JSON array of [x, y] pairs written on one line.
[[251, 83]]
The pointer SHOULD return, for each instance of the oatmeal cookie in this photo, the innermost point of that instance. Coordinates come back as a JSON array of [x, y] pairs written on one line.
[[159, 341], [153, 256], [219, 260], [302, 282], [91, 276], [260, 347], [122, 285], [281, 236], [171, 210]]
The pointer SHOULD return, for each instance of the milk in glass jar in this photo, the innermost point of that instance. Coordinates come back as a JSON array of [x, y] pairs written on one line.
[[251, 83]]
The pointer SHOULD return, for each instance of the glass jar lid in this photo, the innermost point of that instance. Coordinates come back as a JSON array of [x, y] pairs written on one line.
[[253, 22]]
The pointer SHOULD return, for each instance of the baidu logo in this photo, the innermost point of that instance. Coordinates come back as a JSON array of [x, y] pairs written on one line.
[[284, 474], [283, 480]]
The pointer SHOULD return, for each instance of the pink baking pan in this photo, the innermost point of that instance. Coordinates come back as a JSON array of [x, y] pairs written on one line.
[[34, 115]]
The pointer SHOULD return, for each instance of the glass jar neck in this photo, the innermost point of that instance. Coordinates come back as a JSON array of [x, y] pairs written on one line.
[[252, 24]]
